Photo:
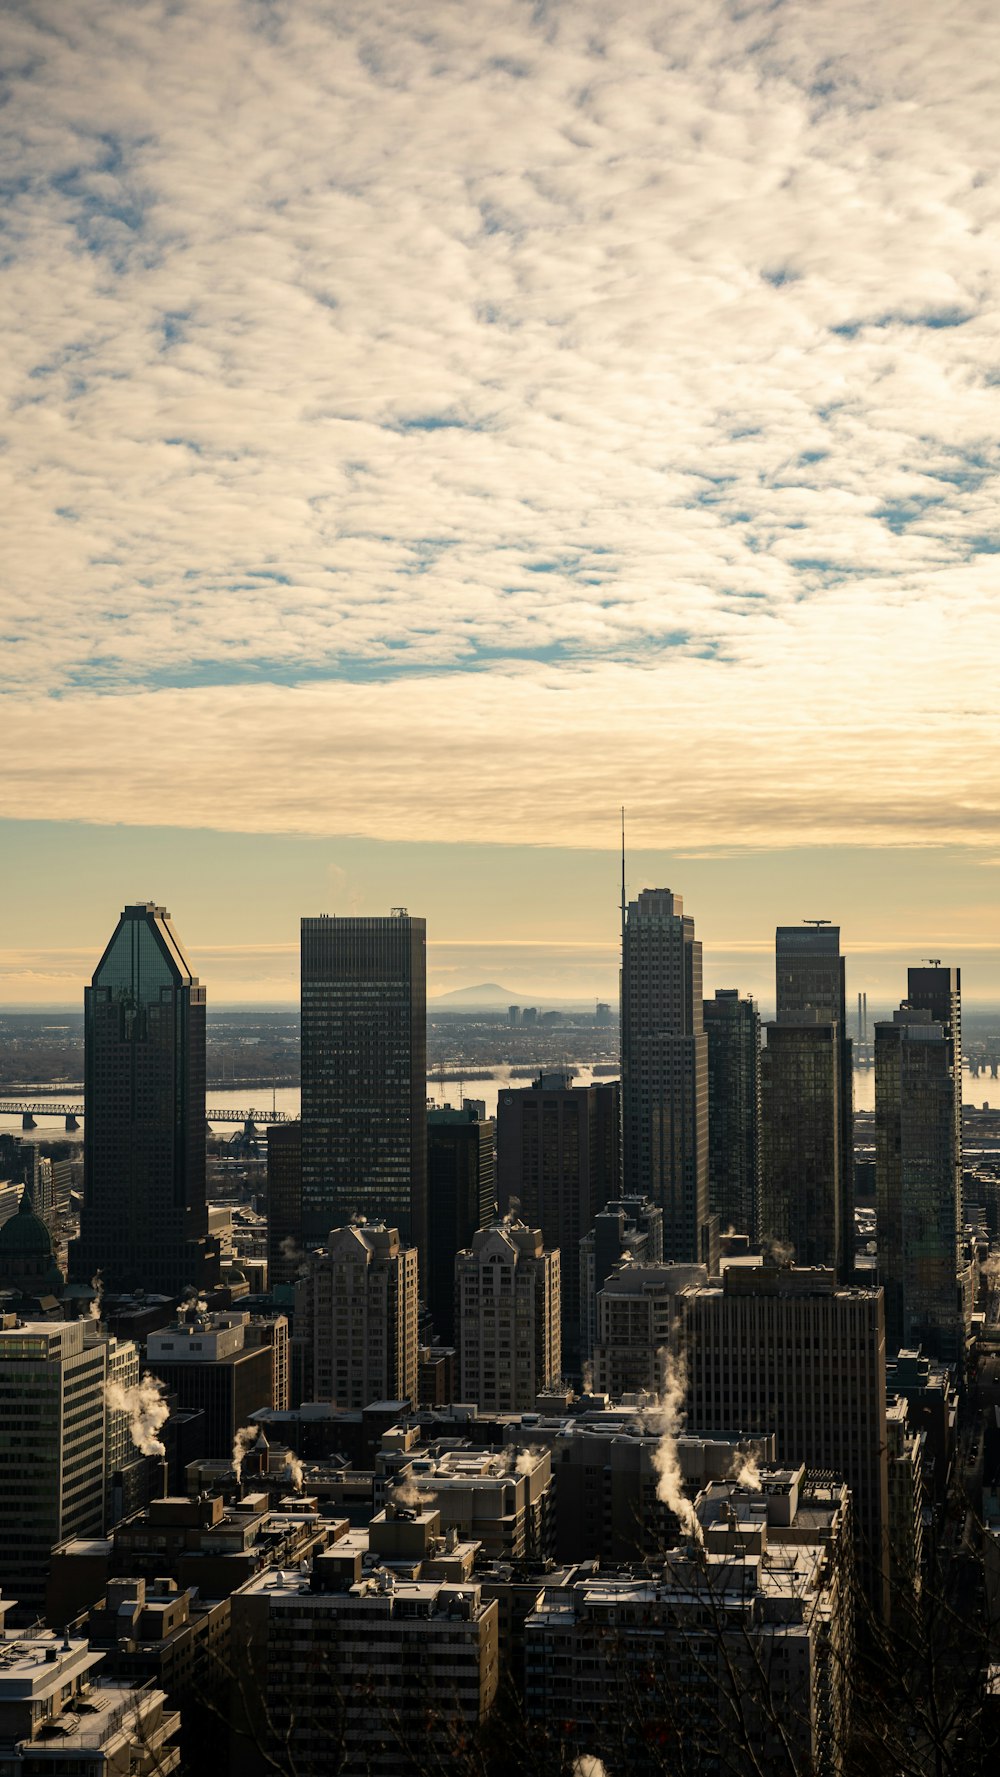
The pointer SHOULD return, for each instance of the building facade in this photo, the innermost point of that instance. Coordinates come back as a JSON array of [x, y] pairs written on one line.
[[284, 1202], [559, 1148], [810, 978], [665, 1071], [356, 1318], [732, 1026], [461, 1199], [144, 1222], [364, 1074], [507, 1317], [918, 1182], [628, 1228], [210, 1363], [789, 1351], [802, 1129], [636, 1311]]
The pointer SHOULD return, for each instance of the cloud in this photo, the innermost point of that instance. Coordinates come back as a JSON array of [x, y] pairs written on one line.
[[408, 405]]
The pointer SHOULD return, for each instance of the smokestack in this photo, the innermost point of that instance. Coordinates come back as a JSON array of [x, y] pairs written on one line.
[[864, 1002], [861, 1028]]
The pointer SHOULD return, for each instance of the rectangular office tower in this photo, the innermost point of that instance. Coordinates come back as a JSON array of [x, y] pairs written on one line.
[[802, 1131], [461, 1199], [810, 983], [732, 1026], [665, 1072], [364, 1074], [558, 1155], [939, 991], [144, 1219], [918, 1181]]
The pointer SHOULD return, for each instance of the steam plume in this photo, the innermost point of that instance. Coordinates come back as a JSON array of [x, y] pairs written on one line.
[[146, 1409], [588, 1766], [244, 1440], [295, 1470], [745, 1470], [97, 1285], [587, 1377], [778, 1252], [667, 1417], [408, 1495]]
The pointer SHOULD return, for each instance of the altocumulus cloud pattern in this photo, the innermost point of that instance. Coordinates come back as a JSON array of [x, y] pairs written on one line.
[[604, 391]]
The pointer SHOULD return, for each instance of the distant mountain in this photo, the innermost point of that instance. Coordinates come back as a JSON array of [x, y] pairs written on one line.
[[488, 994]]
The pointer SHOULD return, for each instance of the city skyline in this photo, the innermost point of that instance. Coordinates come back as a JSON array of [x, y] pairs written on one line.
[[440, 406]]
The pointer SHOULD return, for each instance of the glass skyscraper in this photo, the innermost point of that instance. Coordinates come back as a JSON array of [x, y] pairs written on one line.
[[144, 1218], [364, 1074]]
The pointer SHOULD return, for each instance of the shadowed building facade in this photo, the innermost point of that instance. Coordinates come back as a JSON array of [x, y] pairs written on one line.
[[364, 1075], [918, 1180], [665, 1071], [461, 1199], [732, 1026], [810, 986], [144, 1220], [558, 1154]]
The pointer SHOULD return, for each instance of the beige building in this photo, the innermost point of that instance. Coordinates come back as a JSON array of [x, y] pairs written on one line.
[[348, 1678], [507, 1317], [636, 1311], [356, 1318], [499, 1498]]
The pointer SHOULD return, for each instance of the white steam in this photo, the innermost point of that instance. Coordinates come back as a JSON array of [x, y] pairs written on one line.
[[778, 1252], [526, 1460], [407, 1494], [667, 1418], [97, 1285], [588, 1766], [745, 1471], [146, 1410], [244, 1440], [294, 1470], [587, 1377]]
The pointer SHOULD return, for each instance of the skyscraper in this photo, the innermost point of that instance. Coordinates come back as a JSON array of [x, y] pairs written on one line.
[[507, 1317], [939, 992], [918, 1181], [356, 1318], [558, 1153], [810, 979], [364, 1074], [802, 1129], [732, 1026], [461, 1199], [144, 1219], [665, 1071]]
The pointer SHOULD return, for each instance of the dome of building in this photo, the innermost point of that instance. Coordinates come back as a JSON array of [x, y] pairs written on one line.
[[25, 1233], [27, 1260]]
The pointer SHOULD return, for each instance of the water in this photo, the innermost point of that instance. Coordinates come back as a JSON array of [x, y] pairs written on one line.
[[976, 1092]]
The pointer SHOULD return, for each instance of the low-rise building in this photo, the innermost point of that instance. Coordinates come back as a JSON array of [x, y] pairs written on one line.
[[220, 1363], [59, 1715]]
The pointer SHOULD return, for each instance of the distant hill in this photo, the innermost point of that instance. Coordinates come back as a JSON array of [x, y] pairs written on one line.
[[488, 993]]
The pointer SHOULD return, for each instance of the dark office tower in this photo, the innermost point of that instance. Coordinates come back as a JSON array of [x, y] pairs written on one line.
[[665, 1072], [801, 1131], [461, 1199], [364, 1075], [558, 1154], [284, 1202], [144, 1220], [939, 992], [810, 977], [918, 1181], [732, 1026]]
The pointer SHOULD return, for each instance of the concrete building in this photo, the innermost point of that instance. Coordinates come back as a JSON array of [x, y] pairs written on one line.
[[499, 1499], [636, 1311], [144, 1221], [53, 1477], [350, 1672], [787, 1350], [461, 1198], [918, 1173], [356, 1318], [628, 1228], [907, 1504], [558, 1153], [665, 1073], [737, 1646], [732, 1026], [507, 1315], [59, 1714], [218, 1363], [364, 1074]]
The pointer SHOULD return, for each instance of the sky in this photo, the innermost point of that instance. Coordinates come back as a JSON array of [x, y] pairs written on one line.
[[427, 427]]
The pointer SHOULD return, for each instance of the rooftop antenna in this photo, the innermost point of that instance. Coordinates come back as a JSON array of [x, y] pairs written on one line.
[[935, 961], [623, 879], [816, 922]]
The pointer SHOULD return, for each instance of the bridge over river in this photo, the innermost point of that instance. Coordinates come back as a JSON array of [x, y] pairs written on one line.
[[29, 1111]]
